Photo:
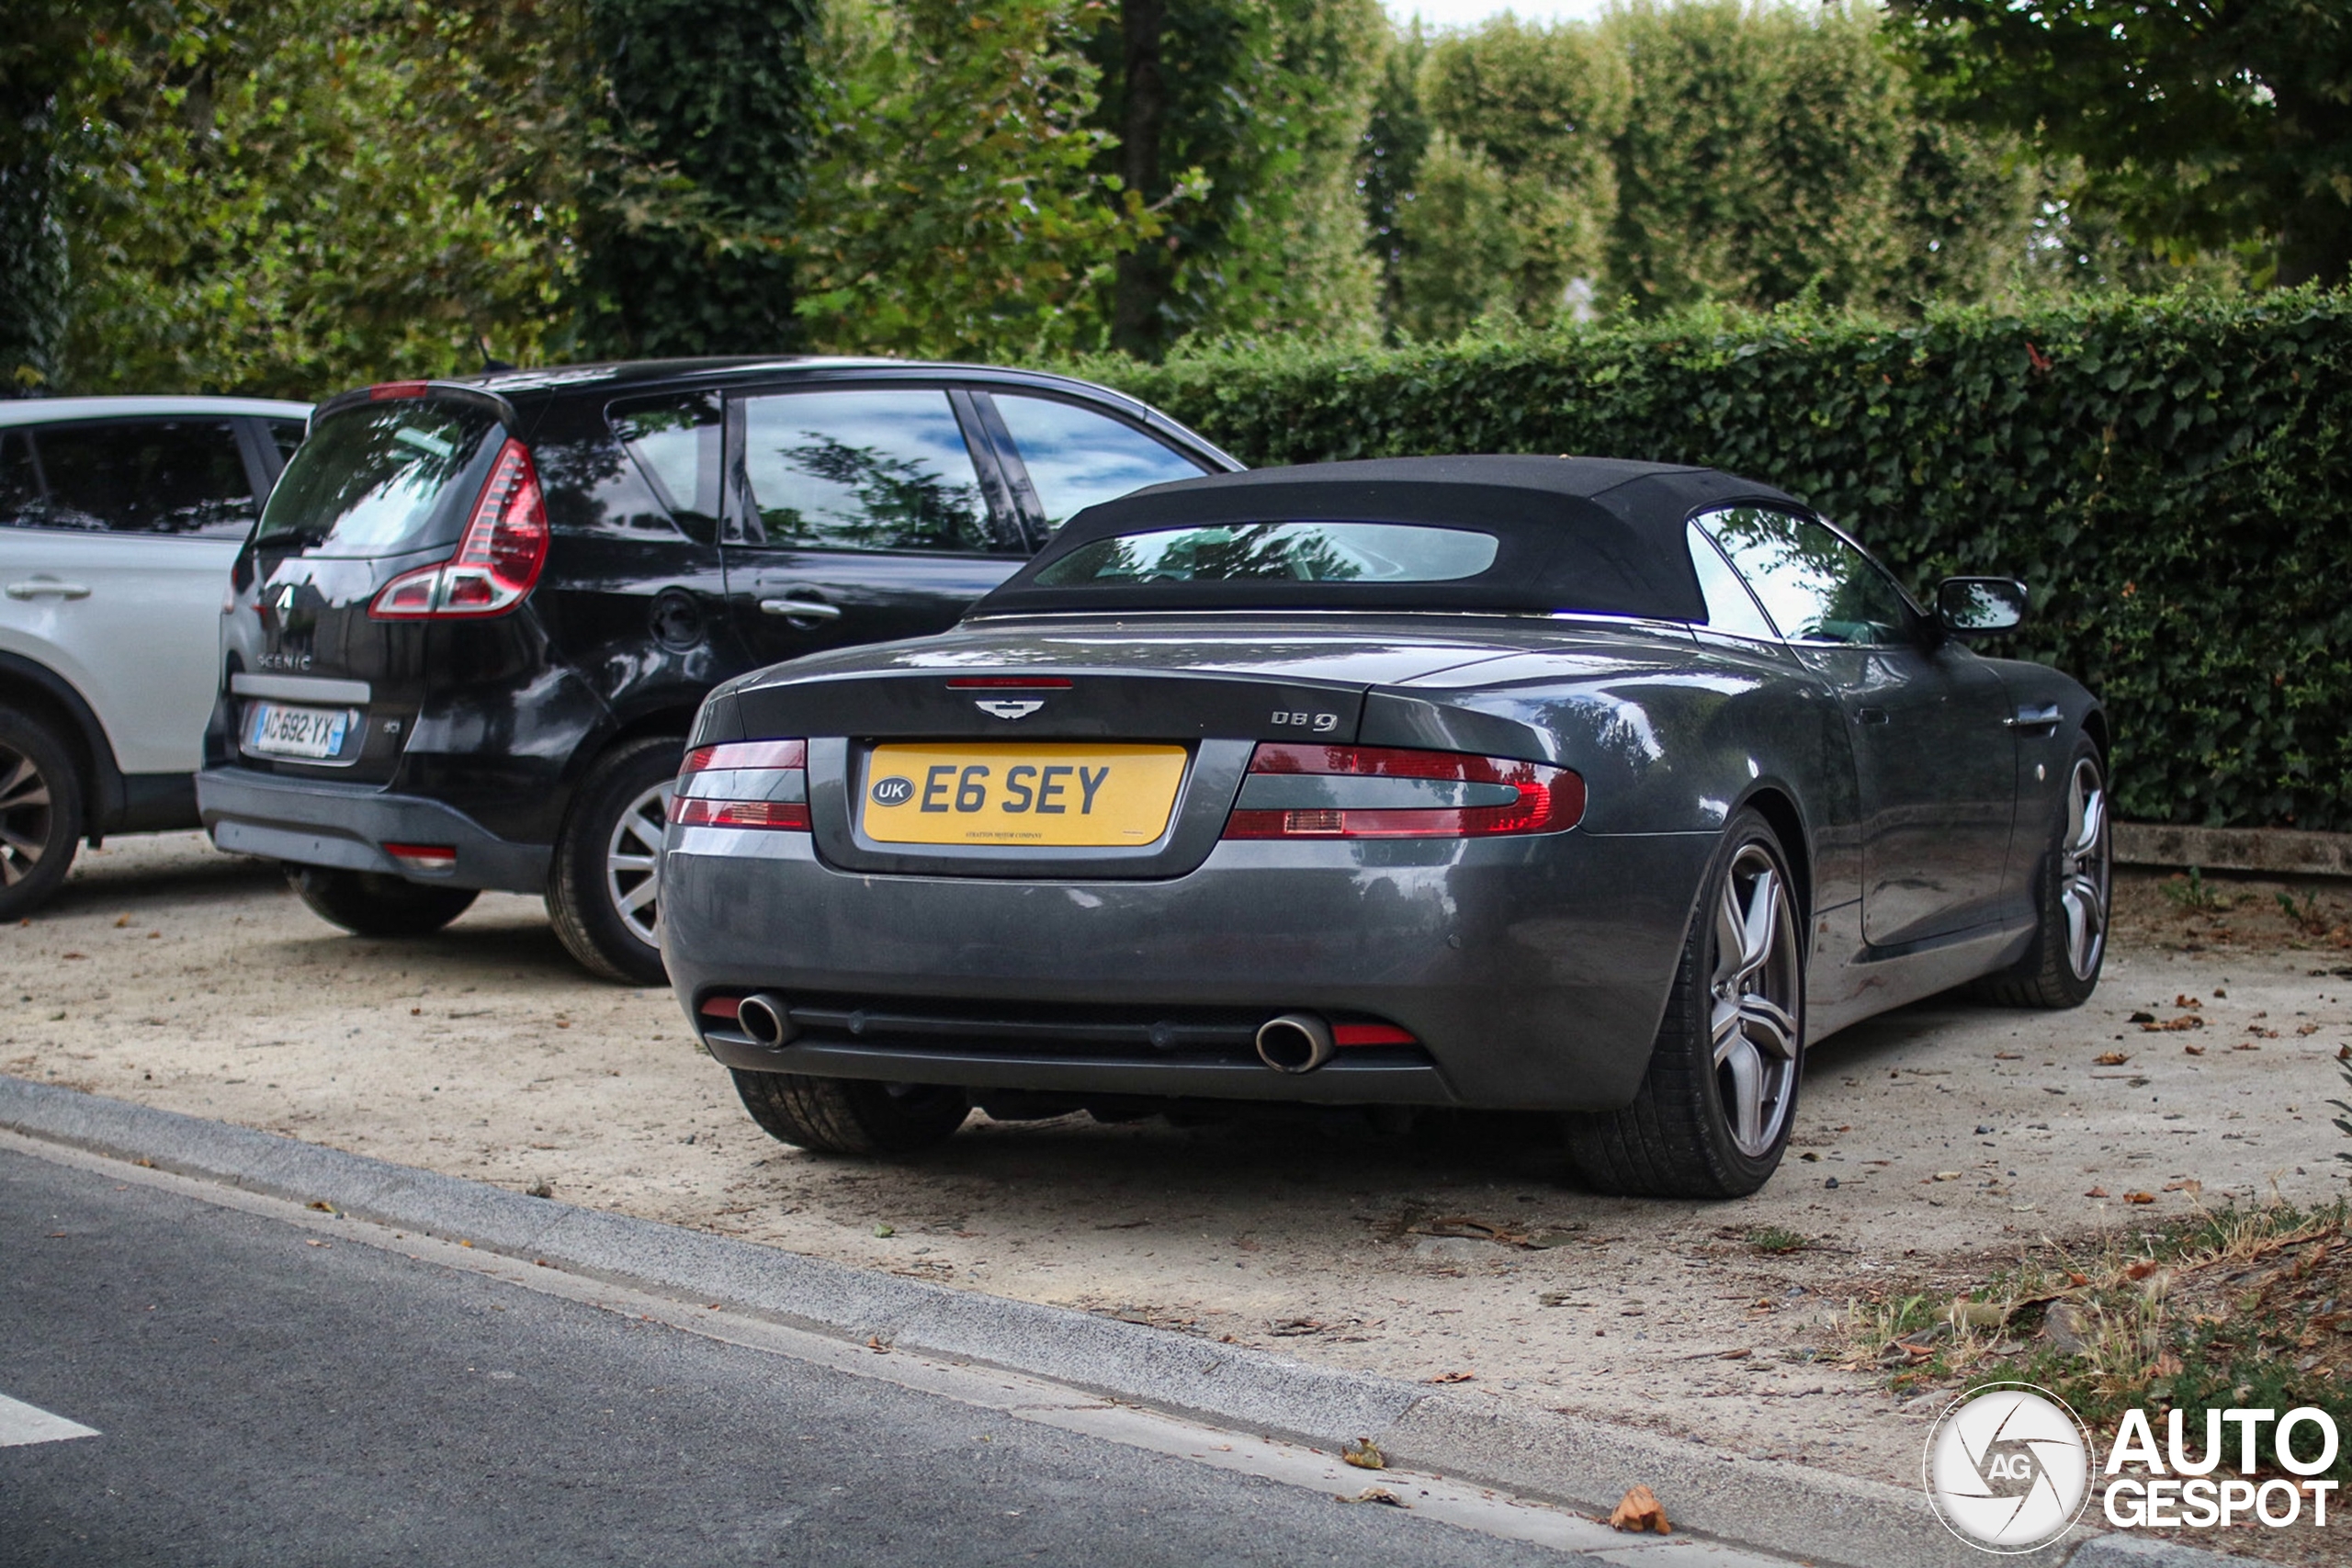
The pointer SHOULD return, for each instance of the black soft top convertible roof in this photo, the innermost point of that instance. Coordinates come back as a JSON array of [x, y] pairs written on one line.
[[1596, 535]]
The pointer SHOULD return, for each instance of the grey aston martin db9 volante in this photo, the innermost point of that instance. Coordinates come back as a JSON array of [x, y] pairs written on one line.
[[1561, 784]]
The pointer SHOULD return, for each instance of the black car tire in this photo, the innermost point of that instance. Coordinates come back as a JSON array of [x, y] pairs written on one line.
[[852, 1116], [41, 812], [2054, 973], [1676, 1139], [582, 891], [371, 903]]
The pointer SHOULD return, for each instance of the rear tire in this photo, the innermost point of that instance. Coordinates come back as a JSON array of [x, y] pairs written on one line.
[[2073, 887], [40, 813], [602, 890], [852, 1116], [369, 903], [1713, 1115]]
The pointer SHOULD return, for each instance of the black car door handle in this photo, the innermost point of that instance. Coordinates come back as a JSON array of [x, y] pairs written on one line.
[[1869, 716], [802, 609], [2044, 717]]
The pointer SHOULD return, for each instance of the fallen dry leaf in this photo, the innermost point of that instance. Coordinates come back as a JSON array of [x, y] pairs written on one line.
[[2094, 1192], [2173, 1025], [1453, 1377], [2190, 1185], [1639, 1510], [1376, 1494], [2189, 1002], [2139, 1197], [121, 922], [1364, 1454], [2194, 1050], [2113, 1058], [2142, 1269], [2246, 1045]]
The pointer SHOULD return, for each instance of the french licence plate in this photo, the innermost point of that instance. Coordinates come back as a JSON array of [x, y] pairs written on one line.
[[1041, 793], [282, 731]]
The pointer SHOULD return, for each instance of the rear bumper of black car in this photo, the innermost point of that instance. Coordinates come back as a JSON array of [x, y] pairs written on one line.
[[318, 822]]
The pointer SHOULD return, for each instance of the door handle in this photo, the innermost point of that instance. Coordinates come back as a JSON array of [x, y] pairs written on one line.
[[1869, 716], [2044, 717], [801, 609], [46, 587]]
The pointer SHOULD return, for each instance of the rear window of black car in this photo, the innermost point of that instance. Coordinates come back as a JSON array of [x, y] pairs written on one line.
[[1276, 552], [383, 479]]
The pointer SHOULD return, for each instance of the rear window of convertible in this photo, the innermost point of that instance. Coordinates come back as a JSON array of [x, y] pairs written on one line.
[[1276, 552]]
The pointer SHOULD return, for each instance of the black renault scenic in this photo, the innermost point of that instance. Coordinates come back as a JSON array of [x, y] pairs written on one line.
[[472, 625]]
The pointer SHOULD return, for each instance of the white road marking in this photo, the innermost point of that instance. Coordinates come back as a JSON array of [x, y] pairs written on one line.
[[1016, 1396], [21, 1423]]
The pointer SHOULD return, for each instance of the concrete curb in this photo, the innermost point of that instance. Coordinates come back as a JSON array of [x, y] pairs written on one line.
[[2280, 851], [1814, 1515]]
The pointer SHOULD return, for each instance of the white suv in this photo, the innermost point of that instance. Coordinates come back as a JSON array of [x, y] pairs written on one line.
[[119, 520]]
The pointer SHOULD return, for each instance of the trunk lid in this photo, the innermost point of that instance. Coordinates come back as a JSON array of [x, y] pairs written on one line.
[[381, 486], [1212, 687]]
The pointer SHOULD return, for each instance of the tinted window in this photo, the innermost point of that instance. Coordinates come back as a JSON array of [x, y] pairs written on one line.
[[382, 479], [19, 482], [1815, 586], [1077, 457], [1277, 552], [676, 442], [1730, 608], [286, 435], [141, 477], [879, 470]]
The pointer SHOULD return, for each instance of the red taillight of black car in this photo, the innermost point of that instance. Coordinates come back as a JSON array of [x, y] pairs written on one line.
[[498, 561], [1349, 801], [744, 783]]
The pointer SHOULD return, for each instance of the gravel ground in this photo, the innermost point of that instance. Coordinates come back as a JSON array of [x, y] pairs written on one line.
[[1931, 1146]]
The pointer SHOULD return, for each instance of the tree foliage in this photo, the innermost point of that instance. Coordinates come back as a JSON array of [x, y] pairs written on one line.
[[2174, 480], [2200, 123], [716, 94], [1676, 153], [1260, 104], [957, 206]]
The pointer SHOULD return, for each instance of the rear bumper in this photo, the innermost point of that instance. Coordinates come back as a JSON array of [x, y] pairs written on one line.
[[1534, 972], [318, 822]]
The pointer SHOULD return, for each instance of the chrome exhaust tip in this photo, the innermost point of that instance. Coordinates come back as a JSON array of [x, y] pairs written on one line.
[[1295, 1042], [766, 1019]]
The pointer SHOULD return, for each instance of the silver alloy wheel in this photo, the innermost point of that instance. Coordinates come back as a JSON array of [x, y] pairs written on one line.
[[1754, 993], [2084, 869], [24, 816], [633, 863]]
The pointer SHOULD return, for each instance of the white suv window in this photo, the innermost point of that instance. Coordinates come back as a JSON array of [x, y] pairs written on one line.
[[156, 476]]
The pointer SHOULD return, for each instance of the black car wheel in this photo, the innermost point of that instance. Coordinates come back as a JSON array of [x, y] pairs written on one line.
[[604, 893], [369, 903], [40, 813], [2072, 891], [1713, 1115], [852, 1116]]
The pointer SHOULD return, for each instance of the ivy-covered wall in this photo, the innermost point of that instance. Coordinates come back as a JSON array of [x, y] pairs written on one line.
[[2174, 478]]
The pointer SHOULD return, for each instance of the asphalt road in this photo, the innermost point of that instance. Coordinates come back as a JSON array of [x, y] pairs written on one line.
[[263, 1397]]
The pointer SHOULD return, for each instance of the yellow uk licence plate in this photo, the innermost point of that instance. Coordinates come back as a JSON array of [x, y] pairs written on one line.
[[1040, 793]]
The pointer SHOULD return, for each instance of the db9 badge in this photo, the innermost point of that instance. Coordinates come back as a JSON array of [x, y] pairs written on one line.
[[892, 791]]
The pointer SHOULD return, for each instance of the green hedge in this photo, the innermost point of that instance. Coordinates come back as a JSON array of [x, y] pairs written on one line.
[[2173, 478]]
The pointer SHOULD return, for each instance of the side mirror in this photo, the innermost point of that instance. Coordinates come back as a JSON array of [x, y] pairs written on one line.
[[1979, 607]]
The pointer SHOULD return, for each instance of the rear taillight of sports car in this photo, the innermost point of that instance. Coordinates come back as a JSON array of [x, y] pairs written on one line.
[[497, 561], [1379, 791], [744, 783]]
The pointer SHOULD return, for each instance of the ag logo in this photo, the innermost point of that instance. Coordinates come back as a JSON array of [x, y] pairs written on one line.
[[892, 791], [2008, 1468], [1009, 707]]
